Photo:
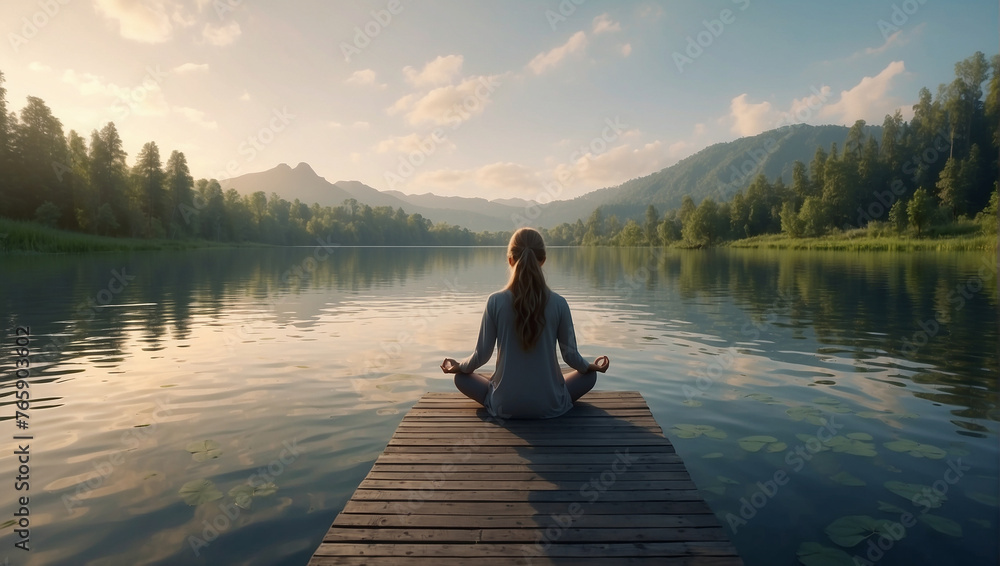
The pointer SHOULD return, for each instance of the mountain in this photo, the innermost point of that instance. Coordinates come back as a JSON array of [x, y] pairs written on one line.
[[718, 171], [306, 185]]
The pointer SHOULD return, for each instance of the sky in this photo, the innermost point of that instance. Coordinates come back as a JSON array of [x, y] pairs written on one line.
[[542, 100]]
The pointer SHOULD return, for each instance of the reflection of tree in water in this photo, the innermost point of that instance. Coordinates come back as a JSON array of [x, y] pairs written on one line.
[[870, 305]]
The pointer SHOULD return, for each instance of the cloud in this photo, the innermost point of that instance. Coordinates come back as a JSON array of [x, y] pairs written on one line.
[[616, 165], [626, 49], [896, 39], [410, 143], [245, 97], [359, 125], [441, 70], [364, 77], [868, 100], [145, 99], [545, 61], [145, 21], [37, 67], [750, 119], [451, 104], [508, 177], [221, 35], [196, 117], [191, 68], [604, 24]]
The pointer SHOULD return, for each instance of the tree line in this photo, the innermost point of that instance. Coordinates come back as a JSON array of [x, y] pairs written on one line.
[[937, 169], [69, 182]]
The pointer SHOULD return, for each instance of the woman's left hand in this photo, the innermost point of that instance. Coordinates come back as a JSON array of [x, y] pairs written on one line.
[[449, 366]]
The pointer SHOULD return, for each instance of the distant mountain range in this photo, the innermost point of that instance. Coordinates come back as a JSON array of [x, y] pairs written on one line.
[[718, 171]]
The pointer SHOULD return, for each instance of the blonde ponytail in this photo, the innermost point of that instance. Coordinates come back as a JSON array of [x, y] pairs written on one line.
[[527, 285]]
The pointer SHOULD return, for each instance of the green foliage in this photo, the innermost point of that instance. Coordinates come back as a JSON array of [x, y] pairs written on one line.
[[920, 210], [48, 214]]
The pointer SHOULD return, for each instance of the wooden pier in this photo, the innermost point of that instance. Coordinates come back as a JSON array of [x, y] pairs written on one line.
[[598, 485]]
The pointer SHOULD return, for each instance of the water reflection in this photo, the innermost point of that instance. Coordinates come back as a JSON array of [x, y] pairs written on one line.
[[253, 348]]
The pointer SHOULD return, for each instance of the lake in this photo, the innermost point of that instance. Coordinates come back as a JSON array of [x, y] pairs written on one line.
[[802, 389]]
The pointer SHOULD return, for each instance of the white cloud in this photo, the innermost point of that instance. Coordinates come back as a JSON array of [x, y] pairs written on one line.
[[359, 125], [145, 99], [616, 165], [191, 68], [604, 24], [868, 100], [221, 35], [364, 77], [146, 21], [452, 104], [196, 117], [245, 97], [441, 70], [545, 61], [37, 67], [626, 49], [750, 119]]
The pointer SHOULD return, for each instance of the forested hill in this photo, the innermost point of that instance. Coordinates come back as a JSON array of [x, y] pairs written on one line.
[[718, 171]]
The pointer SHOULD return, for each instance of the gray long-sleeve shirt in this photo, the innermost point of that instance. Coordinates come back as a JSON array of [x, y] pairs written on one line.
[[526, 384]]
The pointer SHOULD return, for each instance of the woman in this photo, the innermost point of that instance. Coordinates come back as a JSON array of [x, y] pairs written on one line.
[[526, 319]]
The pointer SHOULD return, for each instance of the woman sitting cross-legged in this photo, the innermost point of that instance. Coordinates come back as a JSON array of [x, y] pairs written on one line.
[[526, 320]]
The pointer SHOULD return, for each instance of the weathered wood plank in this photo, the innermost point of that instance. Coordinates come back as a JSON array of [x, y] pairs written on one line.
[[600, 484]]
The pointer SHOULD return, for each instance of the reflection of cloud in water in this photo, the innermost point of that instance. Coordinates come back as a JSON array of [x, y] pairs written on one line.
[[376, 391]]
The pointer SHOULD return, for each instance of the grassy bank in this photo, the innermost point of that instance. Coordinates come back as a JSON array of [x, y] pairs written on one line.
[[862, 240], [29, 237]]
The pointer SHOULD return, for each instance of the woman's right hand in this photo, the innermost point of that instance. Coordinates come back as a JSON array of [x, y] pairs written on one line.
[[601, 364], [449, 365]]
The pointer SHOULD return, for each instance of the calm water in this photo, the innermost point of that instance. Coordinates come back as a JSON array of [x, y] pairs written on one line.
[[155, 370]]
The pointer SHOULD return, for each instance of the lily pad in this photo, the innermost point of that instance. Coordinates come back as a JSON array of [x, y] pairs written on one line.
[[204, 450], [755, 443], [826, 401], [916, 449], [850, 530], [846, 445], [763, 398], [984, 498], [859, 436], [691, 403], [941, 524], [713, 455], [243, 496], [776, 447], [199, 491], [812, 441], [245, 493], [811, 415], [913, 491], [816, 554], [845, 478], [694, 431]]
